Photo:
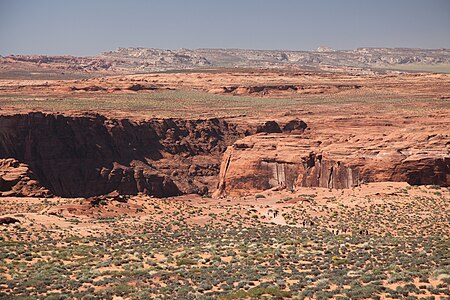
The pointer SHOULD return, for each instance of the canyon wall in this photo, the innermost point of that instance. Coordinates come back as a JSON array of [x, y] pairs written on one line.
[[87, 155], [82, 156], [279, 160]]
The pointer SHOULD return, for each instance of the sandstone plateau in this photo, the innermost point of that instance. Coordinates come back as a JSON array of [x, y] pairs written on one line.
[[274, 181], [221, 132]]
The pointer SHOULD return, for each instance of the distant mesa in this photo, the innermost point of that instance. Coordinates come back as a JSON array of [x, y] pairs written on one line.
[[325, 49], [137, 60]]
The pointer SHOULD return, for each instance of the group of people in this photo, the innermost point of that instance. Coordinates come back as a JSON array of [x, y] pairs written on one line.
[[273, 213], [308, 223], [345, 230], [364, 232]]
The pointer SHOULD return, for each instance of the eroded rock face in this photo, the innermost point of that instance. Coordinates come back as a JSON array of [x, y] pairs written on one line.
[[265, 161], [16, 179], [91, 155]]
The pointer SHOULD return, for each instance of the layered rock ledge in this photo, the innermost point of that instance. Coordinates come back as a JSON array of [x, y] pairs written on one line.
[[281, 160]]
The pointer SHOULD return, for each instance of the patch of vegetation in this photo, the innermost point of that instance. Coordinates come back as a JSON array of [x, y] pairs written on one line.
[[161, 253]]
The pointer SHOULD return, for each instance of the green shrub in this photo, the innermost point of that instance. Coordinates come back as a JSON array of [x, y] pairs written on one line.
[[186, 262]]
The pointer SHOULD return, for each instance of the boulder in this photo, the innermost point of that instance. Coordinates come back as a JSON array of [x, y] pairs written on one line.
[[269, 127], [295, 126], [8, 220], [139, 87]]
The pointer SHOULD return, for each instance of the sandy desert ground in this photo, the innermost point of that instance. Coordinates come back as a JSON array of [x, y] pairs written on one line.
[[272, 231]]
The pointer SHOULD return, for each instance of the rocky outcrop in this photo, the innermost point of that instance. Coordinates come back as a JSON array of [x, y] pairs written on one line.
[[139, 87], [82, 156], [91, 88], [269, 127], [295, 126], [16, 179], [8, 220], [273, 90], [265, 161]]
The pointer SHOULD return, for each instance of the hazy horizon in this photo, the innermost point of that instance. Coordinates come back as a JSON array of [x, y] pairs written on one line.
[[85, 28], [204, 48]]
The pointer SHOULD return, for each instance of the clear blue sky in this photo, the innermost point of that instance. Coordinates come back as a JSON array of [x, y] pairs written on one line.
[[87, 27]]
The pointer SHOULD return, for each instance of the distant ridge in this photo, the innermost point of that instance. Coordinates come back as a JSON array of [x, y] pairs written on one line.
[[139, 59]]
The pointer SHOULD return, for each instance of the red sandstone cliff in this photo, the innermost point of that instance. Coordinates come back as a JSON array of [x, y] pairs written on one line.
[[264, 161]]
